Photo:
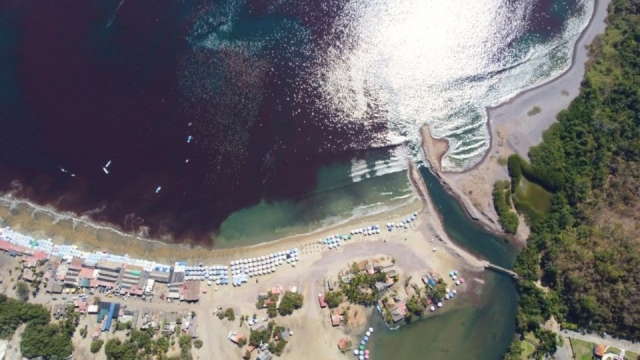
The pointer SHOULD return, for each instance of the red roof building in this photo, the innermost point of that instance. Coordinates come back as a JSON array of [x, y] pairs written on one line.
[[323, 304], [336, 319]]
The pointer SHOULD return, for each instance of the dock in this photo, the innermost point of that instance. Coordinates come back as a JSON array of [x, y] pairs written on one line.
[[490, 266]]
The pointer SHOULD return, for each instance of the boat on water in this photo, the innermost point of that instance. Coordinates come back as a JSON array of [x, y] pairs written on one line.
[[108, 163], [105, 170], [189, 138], [63, 170], [158, 189]]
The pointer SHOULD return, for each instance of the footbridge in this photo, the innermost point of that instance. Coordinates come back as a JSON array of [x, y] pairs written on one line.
[[490, 266]]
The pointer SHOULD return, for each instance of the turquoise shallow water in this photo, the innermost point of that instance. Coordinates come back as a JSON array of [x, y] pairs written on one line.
[[480, 324], [336, 198]]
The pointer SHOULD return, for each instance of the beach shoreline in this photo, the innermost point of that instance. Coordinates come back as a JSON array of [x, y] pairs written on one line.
[[43, 222], [514, 128]]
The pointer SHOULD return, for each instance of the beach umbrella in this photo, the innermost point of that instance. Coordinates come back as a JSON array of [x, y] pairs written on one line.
[[366, 356], [455, 291], [432, 308], [461, 281], [362, 345], [366, 352], [366, 338], [361, 357], [355, 352], [457, 282], [446, 296], [368, 333], [371, 329], [439, 304]]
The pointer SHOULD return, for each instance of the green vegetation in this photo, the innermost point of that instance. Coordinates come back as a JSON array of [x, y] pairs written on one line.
[[49, 340], [139, 345], [586, 250], [272, 310], [40, 337], [534, 111], [22, 290], [360, 289], [198, 343], [502, 203], [333, 299], [96, 345], [185, 347], [290, 302], [261, 336], [247, 355], [227, 313], [14, 313]]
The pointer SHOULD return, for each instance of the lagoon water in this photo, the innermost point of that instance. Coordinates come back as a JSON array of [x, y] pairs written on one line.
[[296, 111], [480, 324]]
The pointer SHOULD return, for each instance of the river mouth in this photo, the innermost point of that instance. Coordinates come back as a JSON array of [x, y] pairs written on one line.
[[479, 324]]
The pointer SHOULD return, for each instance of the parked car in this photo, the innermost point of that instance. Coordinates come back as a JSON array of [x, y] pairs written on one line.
[[55, 298]]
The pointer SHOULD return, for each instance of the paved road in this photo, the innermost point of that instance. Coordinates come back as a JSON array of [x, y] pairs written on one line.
[[608, 340]]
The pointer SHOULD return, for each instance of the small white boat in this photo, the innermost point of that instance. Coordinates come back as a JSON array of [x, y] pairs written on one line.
[[63, 170], [186, 161], [189, 138], [158, 189], [108, 163], [105, 170]]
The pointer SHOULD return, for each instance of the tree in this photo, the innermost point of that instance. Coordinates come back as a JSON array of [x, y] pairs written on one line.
[[290, 302], [96, 345], [515, 351], [22, 291], [333, 299], [83, 332], [230, 314], [247, 355], [242, 341], [96, 300], [198, 344], [272, 310]]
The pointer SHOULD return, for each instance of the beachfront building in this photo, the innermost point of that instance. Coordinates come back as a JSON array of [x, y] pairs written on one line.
[[190, 291], [131, 275], [108, 273], [177, 276]]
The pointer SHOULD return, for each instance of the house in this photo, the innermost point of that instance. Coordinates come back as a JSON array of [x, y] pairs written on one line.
[[344, 344], [190, 291], [599, 350], [235, 338], [336, 319], [391, 272], [397, 309], [369, 269], [380, 286], [54, 287], [265, 355], [28, 275], [362, 265]]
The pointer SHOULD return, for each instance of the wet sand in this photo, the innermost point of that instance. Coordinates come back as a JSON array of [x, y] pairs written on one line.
[[514, 130]]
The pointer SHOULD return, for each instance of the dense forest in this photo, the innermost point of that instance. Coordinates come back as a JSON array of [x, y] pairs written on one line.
[[585, 252]]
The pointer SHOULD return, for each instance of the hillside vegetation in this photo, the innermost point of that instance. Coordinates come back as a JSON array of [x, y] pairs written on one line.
[[586, 250]]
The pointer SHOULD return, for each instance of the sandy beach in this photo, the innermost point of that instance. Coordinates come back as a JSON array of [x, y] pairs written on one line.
[[412, 249], [514, 128]]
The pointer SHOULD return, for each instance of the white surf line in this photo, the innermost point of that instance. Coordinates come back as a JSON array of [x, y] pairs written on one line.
[[114, 14], [7, 200]]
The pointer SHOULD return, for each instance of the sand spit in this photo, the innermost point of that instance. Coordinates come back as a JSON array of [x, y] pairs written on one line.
[[514, 128]]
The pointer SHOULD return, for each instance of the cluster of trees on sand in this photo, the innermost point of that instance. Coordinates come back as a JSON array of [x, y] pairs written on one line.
[[40, 338], [586, 251]]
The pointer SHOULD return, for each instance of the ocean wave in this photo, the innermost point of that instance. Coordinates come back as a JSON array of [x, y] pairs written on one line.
[[438, 63]]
